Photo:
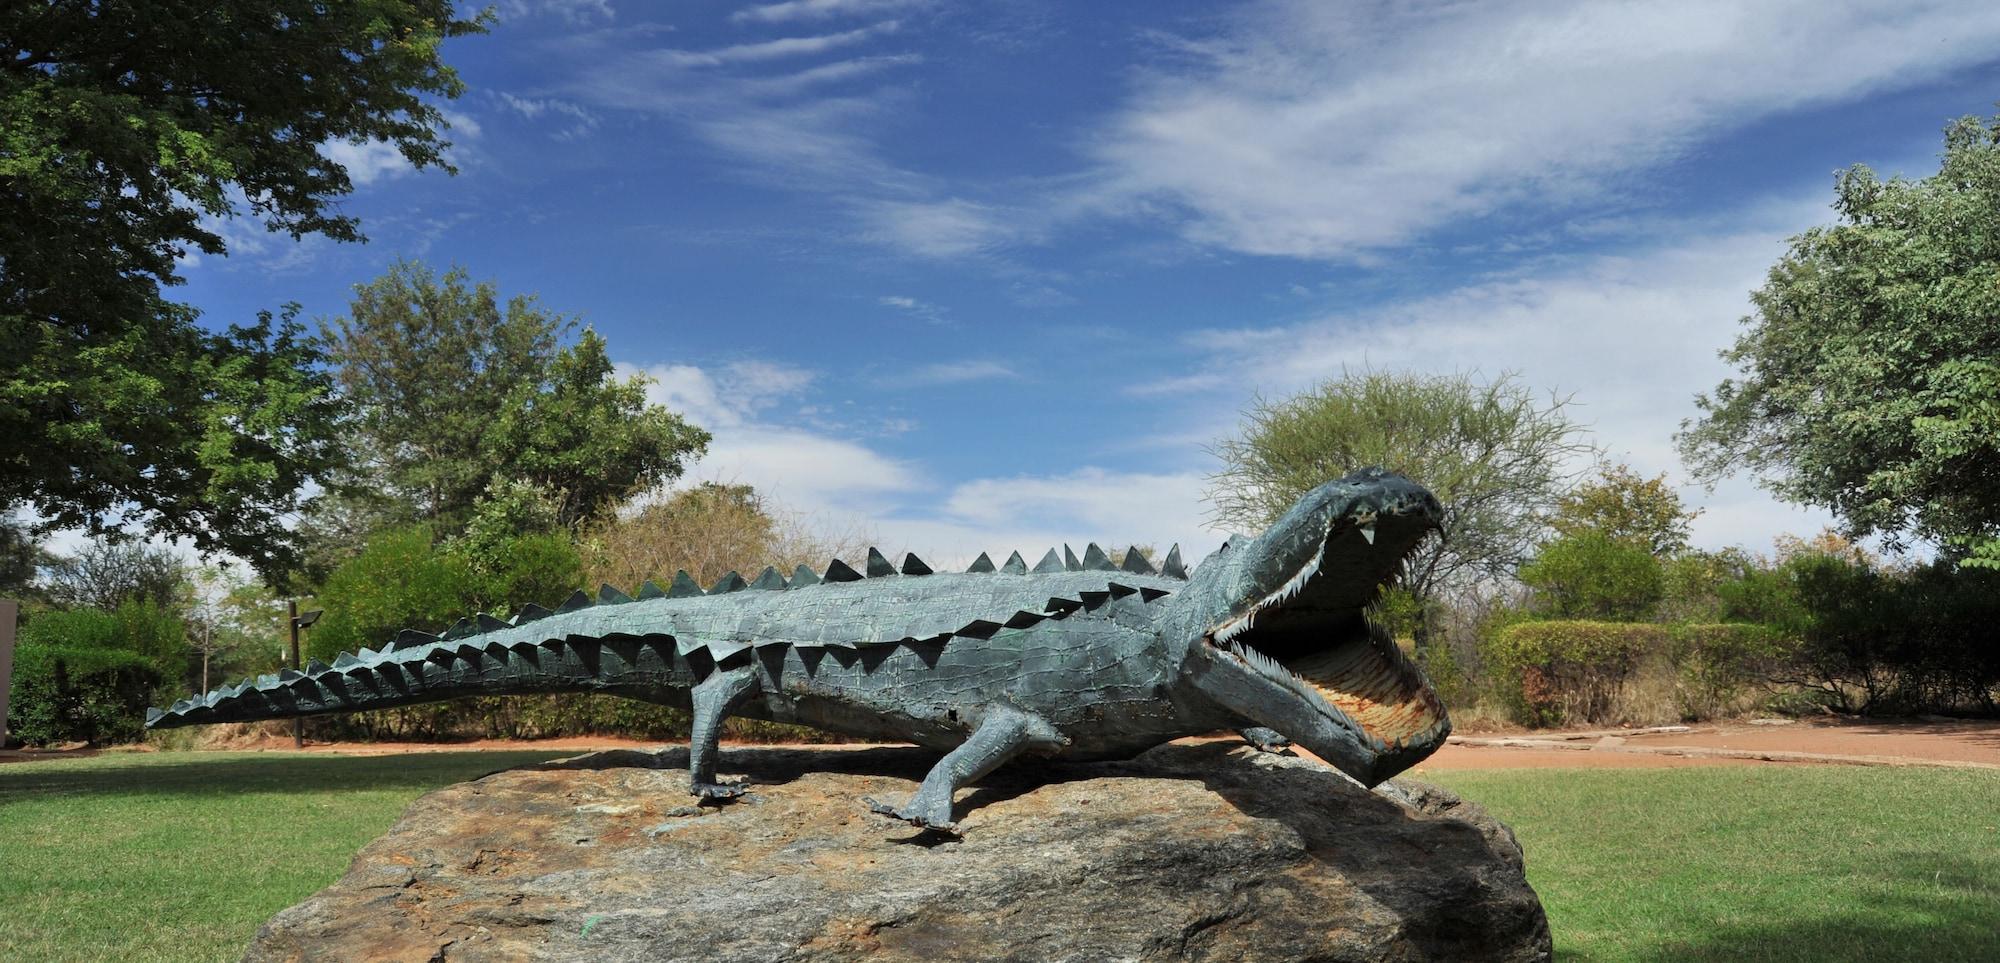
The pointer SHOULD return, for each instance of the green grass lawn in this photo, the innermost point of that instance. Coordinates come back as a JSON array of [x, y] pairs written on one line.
[[179, 856], [1781, 862]]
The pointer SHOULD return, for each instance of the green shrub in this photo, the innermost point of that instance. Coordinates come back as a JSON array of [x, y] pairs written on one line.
[[145, 628], [1570, 670], [403, 579], [1590, 575], [400, 580], [93, 695], [1715, 663]]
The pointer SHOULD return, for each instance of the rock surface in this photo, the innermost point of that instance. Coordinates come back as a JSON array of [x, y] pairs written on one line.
[[1202, 852]]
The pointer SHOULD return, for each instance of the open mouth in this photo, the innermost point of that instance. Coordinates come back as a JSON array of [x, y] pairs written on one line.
[[1314, 635]]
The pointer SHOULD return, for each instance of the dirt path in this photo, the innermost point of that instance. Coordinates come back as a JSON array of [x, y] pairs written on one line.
[[1970, 743]]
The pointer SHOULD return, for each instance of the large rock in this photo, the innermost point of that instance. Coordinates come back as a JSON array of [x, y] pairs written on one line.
[[1203, 852]]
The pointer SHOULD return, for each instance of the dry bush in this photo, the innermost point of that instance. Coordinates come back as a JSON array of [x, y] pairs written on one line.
[[710, 530]]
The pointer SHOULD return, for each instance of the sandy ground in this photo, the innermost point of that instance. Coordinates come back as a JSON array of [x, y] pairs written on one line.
[[1830, 741], [1943, 742]]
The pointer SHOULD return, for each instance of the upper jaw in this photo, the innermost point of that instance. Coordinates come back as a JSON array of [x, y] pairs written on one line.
[[1300, 594]]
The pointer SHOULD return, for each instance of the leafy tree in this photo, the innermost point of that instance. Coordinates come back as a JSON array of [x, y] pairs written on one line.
[[455, 393], [1728, 586], [1623, 506], [128, 132], [1591, 575], [709, 529], [236, 626], [208, 437], [1870, 384], [106, 574], [1491, 452]]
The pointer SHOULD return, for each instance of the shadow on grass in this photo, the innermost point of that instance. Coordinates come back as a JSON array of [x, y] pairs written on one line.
[[214, 774]]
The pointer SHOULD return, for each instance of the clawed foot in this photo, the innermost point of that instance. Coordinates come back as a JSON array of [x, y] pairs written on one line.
[[1267, 740], [717, 791], [909, 815]]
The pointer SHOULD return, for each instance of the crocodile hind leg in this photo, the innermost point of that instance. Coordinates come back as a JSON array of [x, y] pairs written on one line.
[[713, 699], [1002, 734]]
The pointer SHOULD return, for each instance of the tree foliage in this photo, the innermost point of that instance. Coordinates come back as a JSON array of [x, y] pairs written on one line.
[[1869, 381], [21, 560], [1623, 506], [106, 574], [709, 530], [208, 437], [456, 393], [1495, 456], [404, 578], [128, 133], [1591, 575]]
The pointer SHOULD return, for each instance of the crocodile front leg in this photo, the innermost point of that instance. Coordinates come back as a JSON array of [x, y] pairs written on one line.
[[1265, 739], [713, 699], [1002, 734]]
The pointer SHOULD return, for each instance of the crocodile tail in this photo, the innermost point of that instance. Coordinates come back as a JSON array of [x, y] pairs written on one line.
[[474, 658]]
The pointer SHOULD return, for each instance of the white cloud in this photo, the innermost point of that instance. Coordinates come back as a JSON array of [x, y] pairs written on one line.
[[1324, 130], [1032, 513], [1632, 336], [849, 486], [463, 126], [803, 469], [368, 161], [820, 9], [925, 310], [727, 397]]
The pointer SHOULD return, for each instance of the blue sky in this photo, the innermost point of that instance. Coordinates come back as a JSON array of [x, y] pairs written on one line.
[[991, 275]]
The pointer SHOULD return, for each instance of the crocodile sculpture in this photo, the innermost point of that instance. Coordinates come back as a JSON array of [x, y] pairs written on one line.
[[1072, 658]]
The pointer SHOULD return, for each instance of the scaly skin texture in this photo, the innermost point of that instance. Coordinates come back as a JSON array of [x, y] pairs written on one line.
[[1073, 659]]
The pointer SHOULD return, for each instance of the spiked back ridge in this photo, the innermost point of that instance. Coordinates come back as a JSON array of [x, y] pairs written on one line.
[[419, 663]]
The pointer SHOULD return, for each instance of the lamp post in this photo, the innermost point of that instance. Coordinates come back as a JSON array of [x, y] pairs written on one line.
[[9, 612], [299, 622]]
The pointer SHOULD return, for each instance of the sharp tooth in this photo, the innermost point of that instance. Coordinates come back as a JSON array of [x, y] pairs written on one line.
[[1368, 532]]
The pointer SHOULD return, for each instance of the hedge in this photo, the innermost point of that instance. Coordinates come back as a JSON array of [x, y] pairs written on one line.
[[63, 694], [1571, 670]]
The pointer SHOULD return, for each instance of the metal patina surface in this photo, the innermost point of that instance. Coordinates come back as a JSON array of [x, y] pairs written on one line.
[[1071, 658]]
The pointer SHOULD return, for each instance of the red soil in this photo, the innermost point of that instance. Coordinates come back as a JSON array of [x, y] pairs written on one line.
[[1974, 742]]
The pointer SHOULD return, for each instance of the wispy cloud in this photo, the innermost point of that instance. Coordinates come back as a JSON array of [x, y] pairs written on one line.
[[1319, 130], [572, 11], [781, 48], [820, 10], [795, 123], [959, 372], [566, 120], [950, 228], [916, 308]]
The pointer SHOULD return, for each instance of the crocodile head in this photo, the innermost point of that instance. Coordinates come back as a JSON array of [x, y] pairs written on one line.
[[1276, 630]]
